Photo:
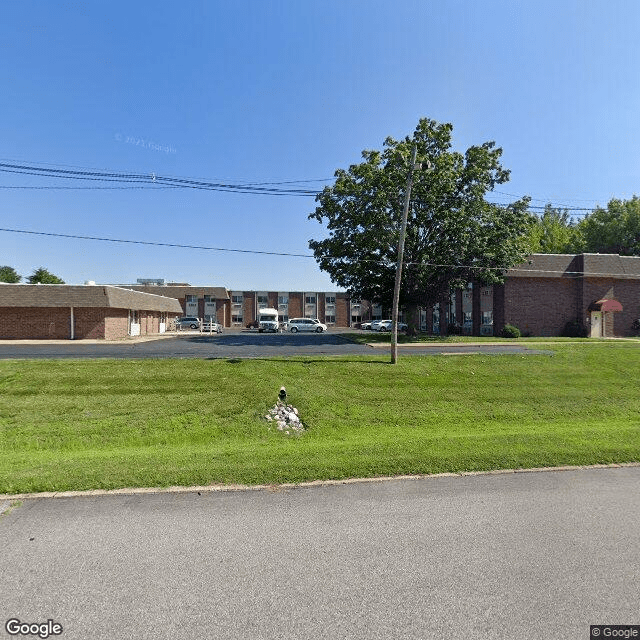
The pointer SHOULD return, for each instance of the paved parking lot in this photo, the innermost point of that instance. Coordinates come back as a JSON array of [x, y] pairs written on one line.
[[234, 344]]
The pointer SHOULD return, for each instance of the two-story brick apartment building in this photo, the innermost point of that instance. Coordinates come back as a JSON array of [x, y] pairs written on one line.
[[333, 308], [208, 303]]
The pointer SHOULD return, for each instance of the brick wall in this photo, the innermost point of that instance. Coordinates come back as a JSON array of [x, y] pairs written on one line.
[[541, 306], [627, 292], [116, 324], [90, 322], [41, 323], [35, 323], [296, 305], [343, 310]]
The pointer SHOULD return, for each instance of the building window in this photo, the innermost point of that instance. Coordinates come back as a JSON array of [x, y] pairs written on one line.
[[283, 299], [329, 319], [263, 300], [236, 318], [330, 298], [487, 317], [236, 299], [310, 300]]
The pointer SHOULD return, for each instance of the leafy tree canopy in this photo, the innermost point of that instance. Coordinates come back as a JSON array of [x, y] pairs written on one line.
[[453, 234], [615, 229], [42, 276], [553, 232], [9, 274]]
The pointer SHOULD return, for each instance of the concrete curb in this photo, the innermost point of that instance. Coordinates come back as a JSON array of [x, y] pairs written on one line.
[[301, 485]]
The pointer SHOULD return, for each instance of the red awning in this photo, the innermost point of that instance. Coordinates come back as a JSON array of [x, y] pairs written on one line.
[[607, 305]]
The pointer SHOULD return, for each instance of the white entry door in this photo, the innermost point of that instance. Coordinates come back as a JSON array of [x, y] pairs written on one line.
[[596, 324]]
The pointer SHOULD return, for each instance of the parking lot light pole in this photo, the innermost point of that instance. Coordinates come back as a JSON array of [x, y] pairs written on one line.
[[403, 232]]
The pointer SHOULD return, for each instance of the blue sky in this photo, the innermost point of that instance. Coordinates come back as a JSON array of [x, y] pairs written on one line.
[[263, 91]]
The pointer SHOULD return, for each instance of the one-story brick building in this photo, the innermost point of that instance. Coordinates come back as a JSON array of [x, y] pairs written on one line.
[[598, 293], [68, 312], [601, 292]]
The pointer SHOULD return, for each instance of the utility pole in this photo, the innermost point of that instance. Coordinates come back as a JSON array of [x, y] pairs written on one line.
[[403, 232]]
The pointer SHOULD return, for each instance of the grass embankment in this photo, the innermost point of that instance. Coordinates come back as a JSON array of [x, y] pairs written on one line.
[[108, 424]]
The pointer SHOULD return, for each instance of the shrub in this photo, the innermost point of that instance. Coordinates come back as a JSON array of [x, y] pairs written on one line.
[[510, 331], [454, 329], [574, 329], [635, 326]]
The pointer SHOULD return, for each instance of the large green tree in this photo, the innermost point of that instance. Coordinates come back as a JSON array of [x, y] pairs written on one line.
[[454, 234], [42, 276], [615, 229], [9, 274]]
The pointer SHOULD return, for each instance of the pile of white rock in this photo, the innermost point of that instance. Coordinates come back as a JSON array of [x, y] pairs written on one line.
[[286, 419]]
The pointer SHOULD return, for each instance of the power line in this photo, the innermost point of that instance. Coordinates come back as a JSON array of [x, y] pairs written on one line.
[[158, 181], [154, 179], [306, 255], [69, 188], [155, 244]]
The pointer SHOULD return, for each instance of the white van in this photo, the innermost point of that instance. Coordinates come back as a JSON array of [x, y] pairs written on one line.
[[268, 320]]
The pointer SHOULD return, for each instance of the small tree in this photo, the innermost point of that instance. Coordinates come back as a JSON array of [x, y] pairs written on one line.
[[9, 274], [42, 276]]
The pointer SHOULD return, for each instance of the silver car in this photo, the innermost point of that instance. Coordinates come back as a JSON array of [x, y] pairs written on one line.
[[305, 324], [188, 322]]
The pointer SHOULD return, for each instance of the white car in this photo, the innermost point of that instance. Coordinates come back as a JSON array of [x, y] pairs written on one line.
[[366, 326], [212, 327], [385, 325], [305, 324]]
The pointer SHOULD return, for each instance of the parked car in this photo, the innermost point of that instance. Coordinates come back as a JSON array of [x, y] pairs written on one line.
[[188, 322], [212, 327], [366, 326], [385, 325], [305, 324]]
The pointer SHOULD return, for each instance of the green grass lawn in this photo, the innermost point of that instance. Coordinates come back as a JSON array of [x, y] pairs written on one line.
[[370, 337], [108, 424]]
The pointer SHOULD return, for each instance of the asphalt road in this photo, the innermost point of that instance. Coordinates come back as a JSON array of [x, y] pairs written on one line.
[[515, 556], [233, 345]]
